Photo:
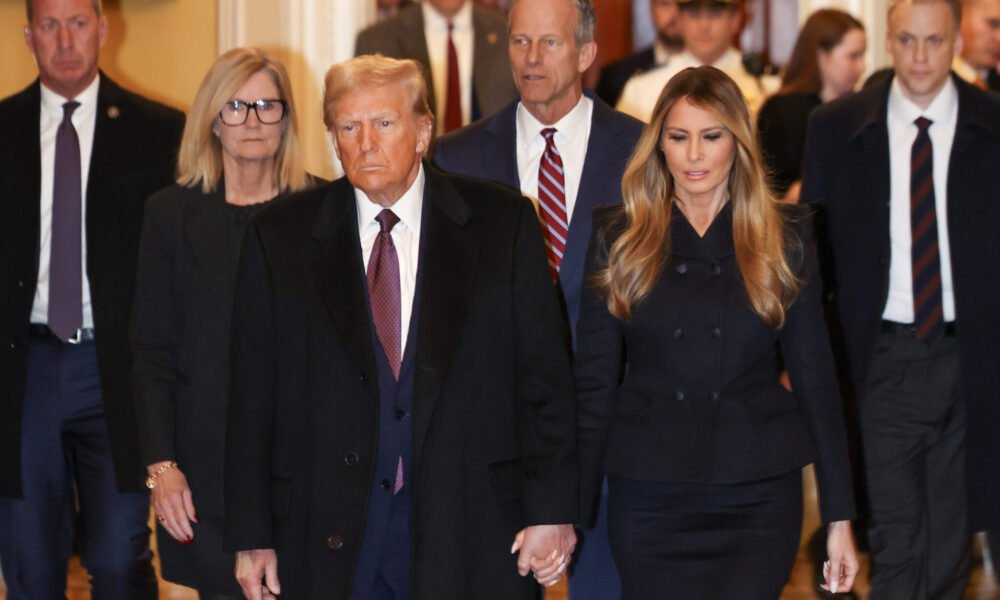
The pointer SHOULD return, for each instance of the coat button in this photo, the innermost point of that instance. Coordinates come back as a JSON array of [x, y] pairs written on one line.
[[716, 269], [384, 484], [678, 395], [716, 332], [351, 459], [13, 345], [681, 268], [714, 397], [20, 284], [335, 542], [400, 414], [364, 378], [678, 334]]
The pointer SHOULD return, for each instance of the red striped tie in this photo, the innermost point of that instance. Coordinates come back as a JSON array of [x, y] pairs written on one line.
[[552, 201], [928, 318]]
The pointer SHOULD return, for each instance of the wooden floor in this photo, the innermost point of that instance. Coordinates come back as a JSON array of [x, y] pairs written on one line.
[[800, 584]]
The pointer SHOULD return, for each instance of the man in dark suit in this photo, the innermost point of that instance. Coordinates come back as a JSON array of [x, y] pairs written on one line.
[[901, 172], [981, 42], [462, 49], [668, 41], [592, 143], [402, 402], [73, 185]]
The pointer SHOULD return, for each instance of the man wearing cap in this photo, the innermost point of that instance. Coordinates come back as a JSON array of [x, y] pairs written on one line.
[[78, 157], [708, 28]]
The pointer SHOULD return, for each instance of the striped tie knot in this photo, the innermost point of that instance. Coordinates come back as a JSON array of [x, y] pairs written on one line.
[[923, 123]]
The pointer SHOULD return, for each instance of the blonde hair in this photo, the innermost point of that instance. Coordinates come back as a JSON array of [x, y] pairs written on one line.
[[200, 158], [636, 259], [371, 71]]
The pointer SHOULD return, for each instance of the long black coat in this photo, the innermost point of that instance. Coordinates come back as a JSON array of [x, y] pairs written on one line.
[[847, 175], [135, 144], [494, 416], [687, 389]]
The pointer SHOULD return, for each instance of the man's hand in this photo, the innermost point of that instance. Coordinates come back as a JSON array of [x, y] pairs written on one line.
[[546, 550], [257, 573]]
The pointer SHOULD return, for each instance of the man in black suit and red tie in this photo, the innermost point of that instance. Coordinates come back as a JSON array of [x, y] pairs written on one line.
[[78, 157], [402, 420], [902, 172]]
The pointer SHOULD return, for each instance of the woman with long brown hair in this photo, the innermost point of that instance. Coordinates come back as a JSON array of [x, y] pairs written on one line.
[[826, 63], [695, 282]]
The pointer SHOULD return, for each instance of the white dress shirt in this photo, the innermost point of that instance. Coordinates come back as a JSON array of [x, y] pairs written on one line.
[[436, 36], [643, 89], [406, 238], [84, 121], [943, 112], [572, 135]]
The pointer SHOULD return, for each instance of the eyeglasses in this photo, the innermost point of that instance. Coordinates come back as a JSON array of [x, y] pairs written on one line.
[[269, 112]]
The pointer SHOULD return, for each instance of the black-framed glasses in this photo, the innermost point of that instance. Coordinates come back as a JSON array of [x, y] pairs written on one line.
[[269, 111]]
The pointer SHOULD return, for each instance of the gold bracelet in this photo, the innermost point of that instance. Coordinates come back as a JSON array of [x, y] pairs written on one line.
[[151, 480]]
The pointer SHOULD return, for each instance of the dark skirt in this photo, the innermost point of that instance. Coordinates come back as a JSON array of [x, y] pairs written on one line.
[[715, 541], [202, 564]]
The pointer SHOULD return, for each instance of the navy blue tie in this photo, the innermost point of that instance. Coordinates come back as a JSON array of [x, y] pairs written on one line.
[[928, 316], [65, 270]]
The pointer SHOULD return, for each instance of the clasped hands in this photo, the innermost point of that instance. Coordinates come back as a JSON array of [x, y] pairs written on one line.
[[545, 550]]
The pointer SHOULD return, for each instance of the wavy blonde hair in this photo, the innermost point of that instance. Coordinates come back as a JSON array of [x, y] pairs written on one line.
[[637, 257], [200, 158]]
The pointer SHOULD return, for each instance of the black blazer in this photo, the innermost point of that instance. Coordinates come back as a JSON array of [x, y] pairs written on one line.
[[847, 176], [493, 408], [180, 336], [615, 75], [781, 124], [135, 144], [687, 389]]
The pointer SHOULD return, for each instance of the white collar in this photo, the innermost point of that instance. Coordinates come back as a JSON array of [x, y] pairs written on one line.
[[53, 102], [435, 20], [572, 125], [408, 208], [941, 109]]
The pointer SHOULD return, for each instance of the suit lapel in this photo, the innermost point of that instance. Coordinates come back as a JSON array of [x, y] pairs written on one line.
[[339, 272], [872, 136], [205, 229], [448, 256], [500, 156], [26, 131], [413, 44]]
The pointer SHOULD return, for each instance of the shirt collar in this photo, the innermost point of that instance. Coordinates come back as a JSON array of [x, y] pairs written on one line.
[[941, 110], [53, 102], [435, 20], [573, 125], [408, 208]]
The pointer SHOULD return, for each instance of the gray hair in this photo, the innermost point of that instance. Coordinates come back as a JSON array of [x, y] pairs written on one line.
[[29, 6], [585, 24]]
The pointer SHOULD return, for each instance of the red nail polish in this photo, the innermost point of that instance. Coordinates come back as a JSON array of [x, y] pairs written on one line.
[[197, 519]]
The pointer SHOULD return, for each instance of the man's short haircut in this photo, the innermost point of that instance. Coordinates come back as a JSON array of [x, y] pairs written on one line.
[[586, 22], [29, 7], [954, 5], [373, 71]]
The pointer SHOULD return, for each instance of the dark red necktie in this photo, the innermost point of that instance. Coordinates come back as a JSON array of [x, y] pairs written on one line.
[[453, 98], [65, 313], [383, 289], [552, 201], [928, 316]]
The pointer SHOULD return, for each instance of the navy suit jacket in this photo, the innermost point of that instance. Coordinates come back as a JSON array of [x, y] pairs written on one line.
[[488, 149], [846, 174]]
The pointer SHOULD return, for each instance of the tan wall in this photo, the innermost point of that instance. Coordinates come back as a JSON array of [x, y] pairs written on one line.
[[159, 48]]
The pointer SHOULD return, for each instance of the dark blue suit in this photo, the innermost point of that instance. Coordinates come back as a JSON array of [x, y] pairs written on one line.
[[488, 149]]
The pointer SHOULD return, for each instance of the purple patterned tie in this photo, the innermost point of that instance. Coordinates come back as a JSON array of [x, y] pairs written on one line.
[[65, 270], [928, 317], [383, 289]]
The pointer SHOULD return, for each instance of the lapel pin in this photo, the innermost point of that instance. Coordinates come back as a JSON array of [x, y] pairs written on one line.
[[491, 37], [113, 112]]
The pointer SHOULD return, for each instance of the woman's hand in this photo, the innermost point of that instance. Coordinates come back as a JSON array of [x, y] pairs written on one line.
[[171, 501], [842, 567]]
